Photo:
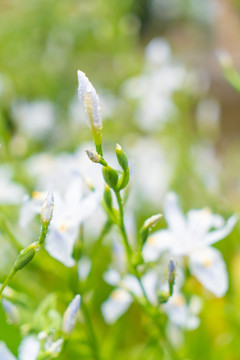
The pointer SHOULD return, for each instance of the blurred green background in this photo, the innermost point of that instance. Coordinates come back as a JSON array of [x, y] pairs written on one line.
[[193, 142]]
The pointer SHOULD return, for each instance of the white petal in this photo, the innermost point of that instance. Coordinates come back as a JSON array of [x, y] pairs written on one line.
[[29, 348], [59, 245], [201, 221], [116, 305], [174, 214], [131, 283], [87, 206], [5, 354], [30, 208], [84, 267], [112, 277], [179, 313], [208, 266], [157, 243], [217, 235], [150, 282]]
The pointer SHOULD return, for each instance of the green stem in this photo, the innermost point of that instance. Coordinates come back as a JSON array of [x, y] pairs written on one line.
[[91, 332], [92, 335], [6, 282], [122, 228]]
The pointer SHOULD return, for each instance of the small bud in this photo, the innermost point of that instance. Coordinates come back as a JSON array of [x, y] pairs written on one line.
[[171, 275], [148, 225], [95, 157], [107, 197], [47, 209], [163, 297], [152, 221], [122, 157], [110, 176], [70, 315], [25, 256]]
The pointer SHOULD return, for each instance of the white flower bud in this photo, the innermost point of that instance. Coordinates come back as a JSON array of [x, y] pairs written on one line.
[[47, 208], [95, 157], [70, 315], [148, 225], [90, 100], [152, 221]]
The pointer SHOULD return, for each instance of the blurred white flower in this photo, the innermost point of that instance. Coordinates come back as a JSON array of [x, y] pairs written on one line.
[[158, 51], [116, 305], [191, 236], [208, 166], [61, 169], [84, 267], [127, 287], [153, 89], [11, 193], [70, 210], [5, 353], [35, 119], [180, 313], [150, 171], [28, 349]]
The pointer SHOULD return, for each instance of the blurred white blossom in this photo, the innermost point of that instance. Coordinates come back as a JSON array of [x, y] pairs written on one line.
[[34, 119], [11, 193], [153, 89], [191, 236]]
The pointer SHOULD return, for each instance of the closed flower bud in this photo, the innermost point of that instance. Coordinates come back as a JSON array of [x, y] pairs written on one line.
[[110, 176], [163, 297], [148, 225], [91, 104], [107, 197], [122, 157], [25, 256], [171, 275], [47, 209], [70, 315], [95, 157]]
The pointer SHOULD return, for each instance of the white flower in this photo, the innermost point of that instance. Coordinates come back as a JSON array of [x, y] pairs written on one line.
[[28, 349], [36, 118], [5, 353], [69, 213], [180, 313], [148, 165], [127, 288], [116, 305], [70, 210], [191, 236]]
